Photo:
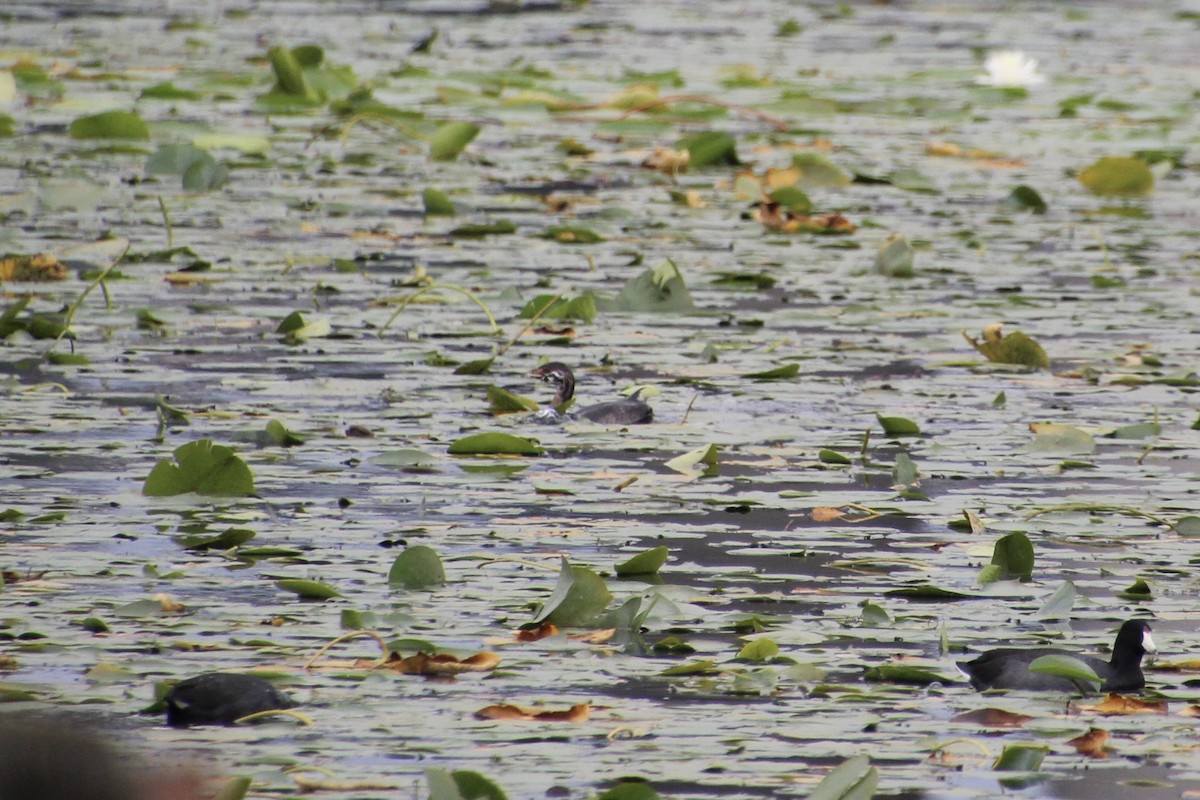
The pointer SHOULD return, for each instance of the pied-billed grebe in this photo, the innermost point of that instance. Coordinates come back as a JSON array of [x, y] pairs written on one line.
[[629, 411]]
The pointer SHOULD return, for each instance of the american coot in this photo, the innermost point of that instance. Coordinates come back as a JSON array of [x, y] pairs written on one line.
[[1008, 668], [221, 698], [630, 411]]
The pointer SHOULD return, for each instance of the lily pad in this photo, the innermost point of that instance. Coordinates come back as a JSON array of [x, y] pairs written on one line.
[[308, 590], [647, 562], [579, 597], [698, 463], [853, 779], [417, 567], [110, 125], [1119, 176], [495, 443], [451, 139], [201, 467]]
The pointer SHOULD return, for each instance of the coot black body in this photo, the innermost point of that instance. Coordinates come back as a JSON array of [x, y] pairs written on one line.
[[221, 698], [1008, 667], [630, 411]]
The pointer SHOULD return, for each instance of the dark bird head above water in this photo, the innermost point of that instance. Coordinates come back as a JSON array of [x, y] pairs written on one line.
[[563, 380], [629, 411]]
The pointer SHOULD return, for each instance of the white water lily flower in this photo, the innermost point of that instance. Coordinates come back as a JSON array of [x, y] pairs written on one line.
[[1011, 68]]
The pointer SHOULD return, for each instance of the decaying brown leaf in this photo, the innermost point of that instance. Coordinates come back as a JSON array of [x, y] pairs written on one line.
[[595, 637], [576, 713], [442, 664], [668, 161], [993, 718], [168, 604], [539, 632], [775, 218], [1093, 744], [1118, 704], [827, 514], [37, 267]]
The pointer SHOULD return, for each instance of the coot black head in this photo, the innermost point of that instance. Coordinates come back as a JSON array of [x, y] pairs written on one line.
[[1008, 668], [221, 698]]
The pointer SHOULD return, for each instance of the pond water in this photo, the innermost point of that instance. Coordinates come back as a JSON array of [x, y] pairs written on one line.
[[323, 213]]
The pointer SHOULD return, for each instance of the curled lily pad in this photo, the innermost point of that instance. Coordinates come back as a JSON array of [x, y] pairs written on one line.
[[647, 562], [110, 125], [451, 139], [1119, 176]]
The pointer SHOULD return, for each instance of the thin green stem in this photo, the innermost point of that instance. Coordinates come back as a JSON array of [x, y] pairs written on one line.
[[448, 287], [74, 307]]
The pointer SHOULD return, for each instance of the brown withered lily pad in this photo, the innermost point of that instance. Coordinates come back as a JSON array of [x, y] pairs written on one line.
[[504, 711], [1093, 744], [1119, 705], [993, 718], [39, 267], [441, 664], [775, 217]]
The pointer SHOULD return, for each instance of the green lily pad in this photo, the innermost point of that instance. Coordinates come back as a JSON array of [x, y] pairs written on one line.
[[201, 467], [655, 291], [480, 229], [1020, 758], [1060, 602], [698, 463], [1026, 198], [579, 597], [853, 779], [827, 456], [461, 784], [110, 125], [1012, 557], [503, 401], [552, 306], [785, 372], [308, 590], [572, 234], [898, 426], [903, 673], [1064, 666], [494, 443], [818, 172], [760, 649], [437, 203], [1118, 176], [647, 562], [417, 567], [709, 149], [451, 139]]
